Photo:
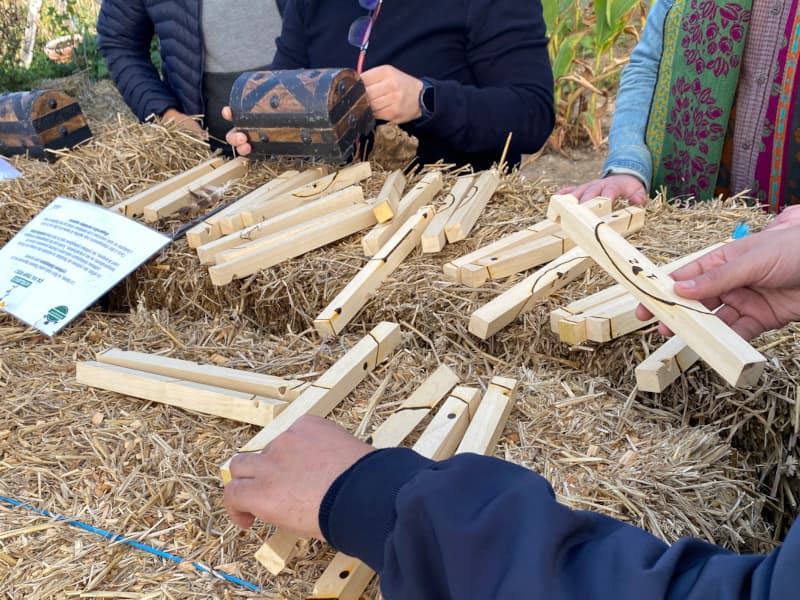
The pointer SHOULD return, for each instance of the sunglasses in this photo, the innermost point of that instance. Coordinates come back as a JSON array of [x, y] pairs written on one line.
[[361, 29]]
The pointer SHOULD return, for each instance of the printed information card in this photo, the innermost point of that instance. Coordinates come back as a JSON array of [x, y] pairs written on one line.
[[68, 256]]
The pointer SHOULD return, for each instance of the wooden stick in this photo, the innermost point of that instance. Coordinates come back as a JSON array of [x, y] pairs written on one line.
[[727, 353], [284, 222], [520, 258], [212, 375], [665, 365], [352, 298], [388, 200], [334, 182], [282, 545], [331, 388], [434, 237], [417, 197], [320, 233], [185, 194], [229, 404], [465, 216], [483, 433], [345, 577], [134, 206]]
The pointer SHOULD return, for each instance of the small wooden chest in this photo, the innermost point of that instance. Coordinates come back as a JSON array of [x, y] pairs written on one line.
[[305, 112], [41, 120]]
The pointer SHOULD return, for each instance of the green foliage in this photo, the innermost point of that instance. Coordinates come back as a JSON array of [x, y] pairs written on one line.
[[585, 38]]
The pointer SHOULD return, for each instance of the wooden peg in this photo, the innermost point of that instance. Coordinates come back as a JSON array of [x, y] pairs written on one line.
[[486, 427], [417, 197], [434, 237], [388, 200], [665, 365], [727, 353], [465, 216], [352, 298], [331, 388]]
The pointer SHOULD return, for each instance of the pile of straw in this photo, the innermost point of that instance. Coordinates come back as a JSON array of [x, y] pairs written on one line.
[[701, 459]]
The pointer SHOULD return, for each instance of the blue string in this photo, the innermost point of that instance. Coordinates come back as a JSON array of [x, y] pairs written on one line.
[[118, 538]]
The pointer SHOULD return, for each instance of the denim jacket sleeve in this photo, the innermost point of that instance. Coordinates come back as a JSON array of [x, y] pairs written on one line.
[[627, 150]]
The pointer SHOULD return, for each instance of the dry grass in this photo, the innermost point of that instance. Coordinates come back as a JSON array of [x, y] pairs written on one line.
[[699, 460]]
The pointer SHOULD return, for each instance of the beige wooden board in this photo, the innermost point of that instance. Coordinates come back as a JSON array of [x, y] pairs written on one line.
[[719, 346], [185, 194], [665, 365], [213, 375], [320, 233], [347, 303], [484, 431], [285, 224], [211, 228], [521, 258], [345, 577], [434, 237], [614, 319], [133, 206], [464, 217], [334, 182], [388, 200], [331, 387], [221, 402], [417, 197], [282, 545]]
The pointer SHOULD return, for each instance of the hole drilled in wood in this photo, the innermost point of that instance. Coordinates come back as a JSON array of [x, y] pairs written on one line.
[[344, 574]]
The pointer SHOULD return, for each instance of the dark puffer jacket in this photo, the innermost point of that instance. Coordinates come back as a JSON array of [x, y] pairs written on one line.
[[124, 31]]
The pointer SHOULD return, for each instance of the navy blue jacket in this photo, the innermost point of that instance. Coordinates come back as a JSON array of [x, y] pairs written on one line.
[[124, 31], [479, 528], [487, 61]]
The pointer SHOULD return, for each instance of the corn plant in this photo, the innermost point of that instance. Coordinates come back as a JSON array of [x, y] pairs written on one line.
[[585, 38]]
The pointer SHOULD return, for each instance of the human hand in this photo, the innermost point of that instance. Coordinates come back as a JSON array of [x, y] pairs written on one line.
[[789, 217], [184, 122], [234, 137], [393, 95], [623, 186], [756, 278], [285, 483]]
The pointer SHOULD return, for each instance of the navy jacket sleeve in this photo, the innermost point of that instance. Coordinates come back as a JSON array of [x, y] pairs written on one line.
[[124, 33], [478, 527]]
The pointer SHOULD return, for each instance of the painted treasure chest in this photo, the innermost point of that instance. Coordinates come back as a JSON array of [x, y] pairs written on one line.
[[41, 120], [318, 113]]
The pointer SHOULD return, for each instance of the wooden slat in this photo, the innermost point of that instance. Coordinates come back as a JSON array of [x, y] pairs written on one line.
[[388, 200], [465, 216], [185, 194], [665, 365], [352, 298], [309, 237], [417, 197], [332, 386], [229, 404], [213, 375], [334, 182], [285, 223], [134, 206], [727, 353], [487, 425], [434, 237]]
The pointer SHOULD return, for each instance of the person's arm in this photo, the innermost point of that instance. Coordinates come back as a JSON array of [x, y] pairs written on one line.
[[124, 33], [507, 52], [478, 527], [290, 46]]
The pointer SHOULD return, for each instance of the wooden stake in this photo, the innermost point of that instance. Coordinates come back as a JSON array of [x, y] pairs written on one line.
[[288, 222], [483, 433], [282, 545], [417, 197], [388, 200], [727, 353], [434, 238], [465, 216], [185, 194], [331, 388], [665, 365], [229, 404], [334, 182], [325, 231], [212, 375], [134, 206], [352, 298]]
